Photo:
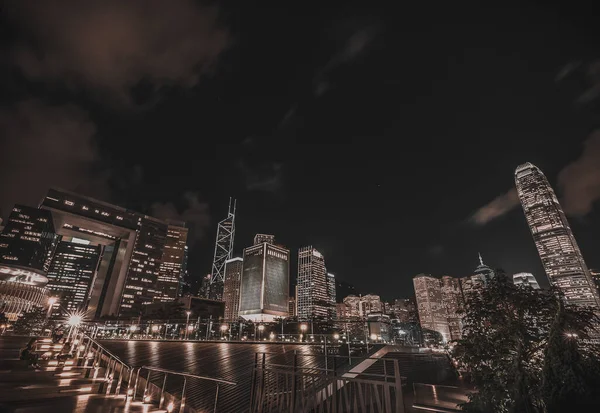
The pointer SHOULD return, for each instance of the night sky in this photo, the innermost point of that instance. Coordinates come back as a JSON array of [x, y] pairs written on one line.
[[374, 133]]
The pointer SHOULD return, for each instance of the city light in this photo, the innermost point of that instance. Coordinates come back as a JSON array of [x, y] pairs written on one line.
[[74, 320], [190, 328], [155, 329], [224, 327], [336, 336], [133, 328], [303, 327], [373, 337], [261, 328], [52, 301]]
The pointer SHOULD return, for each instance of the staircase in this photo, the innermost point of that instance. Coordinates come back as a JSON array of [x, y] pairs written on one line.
[[71, 385]]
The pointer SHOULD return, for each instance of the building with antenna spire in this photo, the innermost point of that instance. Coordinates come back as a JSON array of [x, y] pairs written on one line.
[[223, 252]]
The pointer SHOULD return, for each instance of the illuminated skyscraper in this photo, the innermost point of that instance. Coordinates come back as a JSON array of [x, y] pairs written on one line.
[[170, 271], [71, 275], [525, 278], [231, 287], [453, 301], [313, 297], [264, 293], [430, 304], [363, 305], [331, 295], [223, 252], [554, 240], [260, 238]]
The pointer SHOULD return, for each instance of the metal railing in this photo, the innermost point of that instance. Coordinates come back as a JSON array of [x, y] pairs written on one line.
[[303, 387], [92, 356]]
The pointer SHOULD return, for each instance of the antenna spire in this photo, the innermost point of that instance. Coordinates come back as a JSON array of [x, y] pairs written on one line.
[[480, 259]]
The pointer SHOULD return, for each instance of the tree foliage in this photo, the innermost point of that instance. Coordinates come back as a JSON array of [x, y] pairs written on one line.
[[508, 342]]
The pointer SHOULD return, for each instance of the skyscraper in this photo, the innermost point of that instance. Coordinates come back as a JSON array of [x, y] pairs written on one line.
[[313, 297], [453, 301], [231, 287], [260, 238], [26, 245], [170, 271], [554, 240], [265, 283], [331, 295], [363, 305], [132, 244], [223, 252], [525, 278], [430, 304], [71, 275]]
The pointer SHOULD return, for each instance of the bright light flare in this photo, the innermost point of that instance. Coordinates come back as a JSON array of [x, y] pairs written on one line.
[[75, 320]]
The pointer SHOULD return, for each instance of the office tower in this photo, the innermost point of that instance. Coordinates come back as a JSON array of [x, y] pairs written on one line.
[[265, 283], [204, 291], [342, 311], [331, 295], [405, 310], [525, 278], [556, 245], [343, 289], [28, 239], [71, 275], [596, 278], [430, 304], [260, 238], [171, 264], [231, 287], [184, 279], [26, 245], [473, 283], [313, 300], [132, 244], [453, 302], [363, 305], [223, 252], [292, 307]]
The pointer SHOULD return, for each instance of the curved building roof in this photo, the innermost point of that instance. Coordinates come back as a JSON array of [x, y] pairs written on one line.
[[22, 275]]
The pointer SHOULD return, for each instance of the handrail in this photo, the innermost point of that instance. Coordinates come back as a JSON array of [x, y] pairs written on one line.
[[179, 373], [104, 349]]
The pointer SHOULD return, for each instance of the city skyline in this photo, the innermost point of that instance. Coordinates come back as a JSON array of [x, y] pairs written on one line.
[[307, 140]]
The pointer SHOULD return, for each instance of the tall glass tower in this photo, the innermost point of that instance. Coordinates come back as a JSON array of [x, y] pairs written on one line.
[[556, 245]]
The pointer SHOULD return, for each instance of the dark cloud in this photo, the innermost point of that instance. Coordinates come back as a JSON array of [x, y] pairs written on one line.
[[496, 208], [579, 181], [112, 48], [45, 146], [195, 214], [265, 176]]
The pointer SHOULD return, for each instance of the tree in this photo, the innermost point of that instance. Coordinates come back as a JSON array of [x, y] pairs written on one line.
[[571, 372], [508, 333], [32, 323]]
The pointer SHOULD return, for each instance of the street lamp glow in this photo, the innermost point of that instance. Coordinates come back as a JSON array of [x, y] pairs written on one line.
[[261, 327], [74, 320], [155, 328], [52, 301], [336, 336], [188, 313], [373, 337], [190, 328], [303, 327], [133, 328], [224, 327]]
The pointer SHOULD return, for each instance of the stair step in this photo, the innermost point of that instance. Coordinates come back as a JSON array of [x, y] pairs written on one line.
[[37, 391]]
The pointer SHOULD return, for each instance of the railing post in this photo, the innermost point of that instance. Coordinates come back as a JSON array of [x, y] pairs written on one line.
[[216, 399], [146, 386], [182, 405], [334, 387], [137, 376], [118, 389], [129, 383], [162, 392], [398, 382]]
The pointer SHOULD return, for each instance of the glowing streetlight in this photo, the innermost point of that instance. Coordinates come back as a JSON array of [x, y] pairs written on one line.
[[133, 327], [155, 329], [51, 302], [336, 336], [373, 337], [187, 323], [271, 336], [261, 328]]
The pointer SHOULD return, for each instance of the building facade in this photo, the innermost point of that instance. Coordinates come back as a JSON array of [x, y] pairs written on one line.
[[453, 302], [363, 305], [27, 243], [71, 275], [231, 287], [132, 244], [525, 278], [313, 297], [332, 311], [171, 269], [554, 240], [430, 305], [264, 293], [223, 252]]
